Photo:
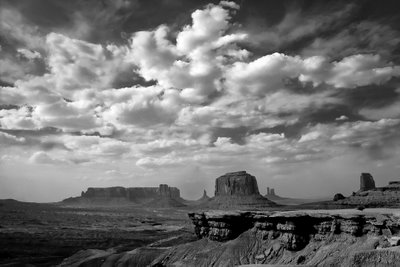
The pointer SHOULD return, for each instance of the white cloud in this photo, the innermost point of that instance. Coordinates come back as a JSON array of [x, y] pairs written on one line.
[[76, 64], [31, 55], [350, 72], [18, 119]]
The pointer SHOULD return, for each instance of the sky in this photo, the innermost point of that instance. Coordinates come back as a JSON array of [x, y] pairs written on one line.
[[304, 95]]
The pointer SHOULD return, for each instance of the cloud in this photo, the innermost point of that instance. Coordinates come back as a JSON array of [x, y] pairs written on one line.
[[270, 72], [296, 25], [194, 64], [17, 29], [17, 119], [8, 139], [31, 55], [76, 64], [41, 157], [145, 107], [360, 37]]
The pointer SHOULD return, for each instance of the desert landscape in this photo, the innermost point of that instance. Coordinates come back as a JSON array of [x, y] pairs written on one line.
[[180, 133], [238, 226]]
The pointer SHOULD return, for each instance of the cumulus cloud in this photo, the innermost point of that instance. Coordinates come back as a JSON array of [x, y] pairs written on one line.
[[194, 64], [76, 64], [270, 72], [207, 100]]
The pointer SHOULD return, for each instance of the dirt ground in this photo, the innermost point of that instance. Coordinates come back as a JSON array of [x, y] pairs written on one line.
[[45, 234]]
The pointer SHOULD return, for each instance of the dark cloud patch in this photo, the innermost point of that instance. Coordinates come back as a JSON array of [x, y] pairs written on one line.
[[128, 78], [329, 114], [33, 133], [292, 131], [373, 96]]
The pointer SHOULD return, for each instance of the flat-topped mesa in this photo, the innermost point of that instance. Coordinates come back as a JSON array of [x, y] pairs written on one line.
[[107, 192], [236, 184], [169, 196], [366, 182]]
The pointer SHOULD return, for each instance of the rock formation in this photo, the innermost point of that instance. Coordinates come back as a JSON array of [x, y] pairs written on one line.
[[338, 196], [167, 197], [313, 238], [236, 184], [163, 195], [270, 192], [386, 196], [366, 182], [170, 192], [238, 190]]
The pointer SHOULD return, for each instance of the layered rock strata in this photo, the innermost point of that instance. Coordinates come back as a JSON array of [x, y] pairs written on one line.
[[315, 238]]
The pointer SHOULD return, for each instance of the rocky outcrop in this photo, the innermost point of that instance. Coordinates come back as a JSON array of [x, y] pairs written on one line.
[[366, 182], [338, 196], [270, 192], [238, 190], [315, 238], [386, 196], [163, 195]]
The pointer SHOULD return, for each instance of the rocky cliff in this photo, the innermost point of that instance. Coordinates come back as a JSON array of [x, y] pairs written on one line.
[[314, 238], [238, 190]]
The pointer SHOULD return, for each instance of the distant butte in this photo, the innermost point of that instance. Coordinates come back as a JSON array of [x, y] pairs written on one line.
[[238, 190]]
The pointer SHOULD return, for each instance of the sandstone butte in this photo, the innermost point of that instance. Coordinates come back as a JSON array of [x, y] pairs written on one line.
[[238, 190]]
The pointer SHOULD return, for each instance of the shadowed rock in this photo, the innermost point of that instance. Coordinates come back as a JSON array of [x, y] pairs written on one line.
[[366, 182]]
